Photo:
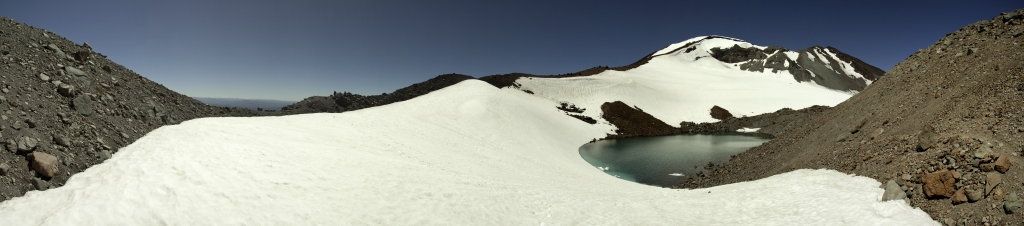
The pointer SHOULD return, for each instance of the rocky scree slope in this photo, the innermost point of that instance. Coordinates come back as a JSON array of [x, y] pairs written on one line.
[[943, 129], [64, 107]]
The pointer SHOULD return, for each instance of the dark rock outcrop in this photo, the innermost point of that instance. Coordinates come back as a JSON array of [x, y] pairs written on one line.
[[633, 122], [736, 54], [720, 113]]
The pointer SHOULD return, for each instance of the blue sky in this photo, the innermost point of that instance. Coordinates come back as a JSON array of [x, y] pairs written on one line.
[[289, 50]]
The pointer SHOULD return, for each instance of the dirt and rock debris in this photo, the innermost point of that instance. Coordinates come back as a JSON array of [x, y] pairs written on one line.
[[943, 129]]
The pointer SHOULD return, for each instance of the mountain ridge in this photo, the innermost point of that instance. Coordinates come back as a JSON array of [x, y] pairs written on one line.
[[843, 80]]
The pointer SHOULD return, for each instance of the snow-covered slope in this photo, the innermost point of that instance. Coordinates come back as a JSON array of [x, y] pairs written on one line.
[[683, 81], [469, 154]]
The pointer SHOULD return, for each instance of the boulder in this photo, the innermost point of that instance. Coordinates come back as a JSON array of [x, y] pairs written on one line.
[[1002, 164], [720, 113], [959, 197], [938, 185], [45, 164], [927, 138], [893, 191]]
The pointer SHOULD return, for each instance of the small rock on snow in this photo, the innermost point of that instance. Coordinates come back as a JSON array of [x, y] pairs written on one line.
[[893, 191]]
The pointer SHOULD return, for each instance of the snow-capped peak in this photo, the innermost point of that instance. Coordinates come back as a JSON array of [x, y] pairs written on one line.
[[824, 66]]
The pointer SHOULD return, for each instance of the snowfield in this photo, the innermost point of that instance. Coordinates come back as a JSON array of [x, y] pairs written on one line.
[[469, 154], [683, 86]]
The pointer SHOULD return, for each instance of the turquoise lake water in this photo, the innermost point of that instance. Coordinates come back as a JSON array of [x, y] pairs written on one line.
[[666, 160]]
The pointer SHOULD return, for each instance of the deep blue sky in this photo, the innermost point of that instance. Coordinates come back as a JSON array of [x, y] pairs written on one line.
[[288, 50]]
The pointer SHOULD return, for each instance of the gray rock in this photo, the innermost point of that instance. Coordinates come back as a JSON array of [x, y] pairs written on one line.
[[983, 152], [105, 154], [58, 51], [82, 105], [893, 191], [40, 184], [74, 71], [124, 135], [1012, 203], [66, 90], [5, 169], [27, 144], [44, 77], [61, 140]]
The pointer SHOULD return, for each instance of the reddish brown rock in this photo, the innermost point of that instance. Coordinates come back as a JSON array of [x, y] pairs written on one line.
[[997, 194], [959, 197], [938, 185], [1002, 164], [44, 164]]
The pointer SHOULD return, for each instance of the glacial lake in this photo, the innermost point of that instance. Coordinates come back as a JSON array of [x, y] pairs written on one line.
[[666, 161]]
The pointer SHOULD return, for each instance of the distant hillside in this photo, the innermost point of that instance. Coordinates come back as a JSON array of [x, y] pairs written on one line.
[[252, 104]]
